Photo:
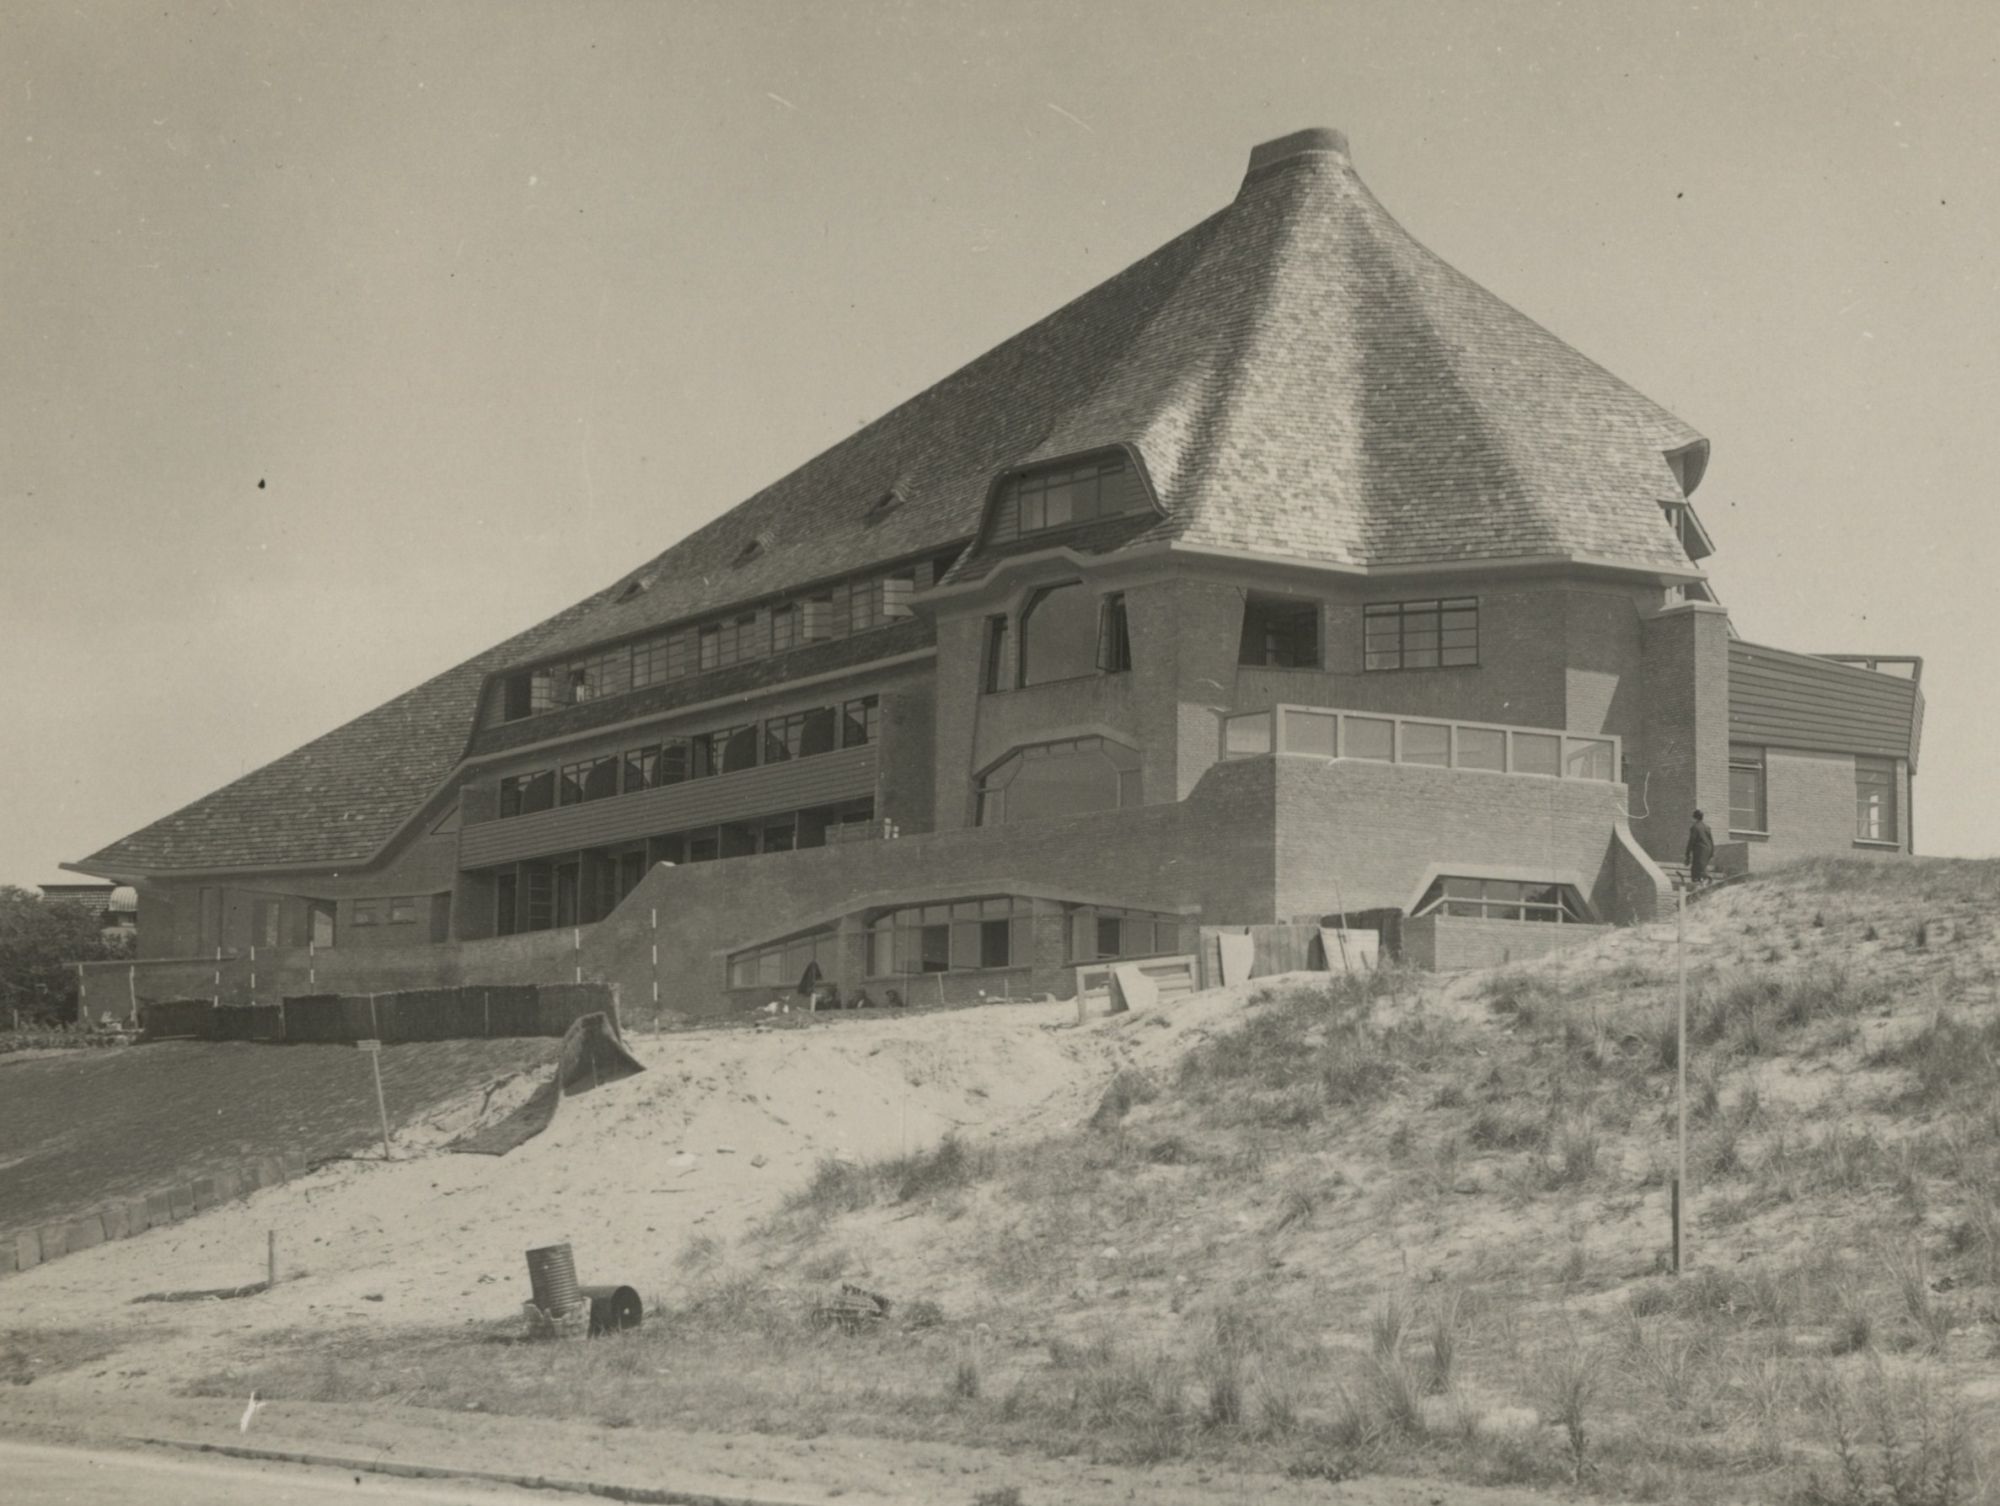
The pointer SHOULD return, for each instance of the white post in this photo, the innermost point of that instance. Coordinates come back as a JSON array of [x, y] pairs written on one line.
[[381, 1103], [1681, 1082]]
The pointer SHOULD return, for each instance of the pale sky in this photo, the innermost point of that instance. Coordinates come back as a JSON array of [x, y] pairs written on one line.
[[339, 341]]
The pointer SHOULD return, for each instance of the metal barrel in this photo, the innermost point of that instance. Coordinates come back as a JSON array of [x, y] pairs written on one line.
[[552, 1274], [613, 1308]]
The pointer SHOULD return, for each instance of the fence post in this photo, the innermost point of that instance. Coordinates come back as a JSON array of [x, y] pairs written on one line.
[[132, 991], [576, 948], [656, 959], [253, 973]]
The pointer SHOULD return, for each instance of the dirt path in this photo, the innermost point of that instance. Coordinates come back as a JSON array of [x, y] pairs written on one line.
[[855, 1472]]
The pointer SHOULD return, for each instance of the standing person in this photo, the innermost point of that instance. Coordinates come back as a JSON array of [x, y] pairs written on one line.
[[1700, 851]]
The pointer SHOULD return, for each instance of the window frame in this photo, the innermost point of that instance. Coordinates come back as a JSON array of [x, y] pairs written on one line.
[[1872, 773], [1272, 648], [1114, 635], [1750, 758], [1410, 617]]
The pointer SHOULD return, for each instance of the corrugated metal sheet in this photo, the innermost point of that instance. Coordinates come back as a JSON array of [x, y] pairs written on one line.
[[1787, 700], [848, 774]]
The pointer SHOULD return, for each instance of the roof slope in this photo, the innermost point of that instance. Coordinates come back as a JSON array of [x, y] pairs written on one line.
[[1321, 386], [1300, 376]]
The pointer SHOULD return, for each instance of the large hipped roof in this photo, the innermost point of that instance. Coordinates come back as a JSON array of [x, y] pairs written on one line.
[[1300, 377]]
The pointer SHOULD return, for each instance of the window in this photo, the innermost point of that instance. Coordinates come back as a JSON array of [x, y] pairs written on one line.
[[962, 936], [1099, 932], [1060, 496], [1503, 899], [782, 964], [367, 912], [1114, 638], [1058, 634], [1279, 633], [1746, 788], [1420, 634], [860, 722], [264, 922], [589, 779], [403, 910], [506, 916], [784, 628], [523, 794], [1059, 779], [993, 675], [319, 920], [864, 606], [800, 735], [1875, 800]]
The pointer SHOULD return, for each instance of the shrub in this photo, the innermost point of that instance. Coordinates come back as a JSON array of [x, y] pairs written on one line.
[[1127, 1090]]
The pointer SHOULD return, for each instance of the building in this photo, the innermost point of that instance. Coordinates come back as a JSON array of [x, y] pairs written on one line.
[[116, 906], [1286, 573]]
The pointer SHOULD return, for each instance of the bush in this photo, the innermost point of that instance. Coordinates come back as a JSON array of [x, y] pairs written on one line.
[[41, 942]]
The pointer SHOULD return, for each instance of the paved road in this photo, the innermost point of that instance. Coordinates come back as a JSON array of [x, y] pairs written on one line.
[[38, 1474]]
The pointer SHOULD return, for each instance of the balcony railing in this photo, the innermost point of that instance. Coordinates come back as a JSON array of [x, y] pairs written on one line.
[[1320, 732]]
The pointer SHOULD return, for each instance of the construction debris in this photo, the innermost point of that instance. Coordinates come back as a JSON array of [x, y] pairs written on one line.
[[851, 1308]]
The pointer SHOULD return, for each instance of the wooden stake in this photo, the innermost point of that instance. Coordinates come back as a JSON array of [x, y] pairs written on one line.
[[270, 1258]]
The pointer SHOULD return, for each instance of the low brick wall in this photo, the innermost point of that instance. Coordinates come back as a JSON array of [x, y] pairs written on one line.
[[24, 1249], [1446, 943]]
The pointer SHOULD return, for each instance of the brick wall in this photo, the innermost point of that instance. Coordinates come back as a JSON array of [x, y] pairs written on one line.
[[1358, 836], [1685, 747], [1809, 808], [1446, 943]]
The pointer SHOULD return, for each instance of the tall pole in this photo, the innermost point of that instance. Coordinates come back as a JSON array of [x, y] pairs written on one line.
[[1681, 1083]]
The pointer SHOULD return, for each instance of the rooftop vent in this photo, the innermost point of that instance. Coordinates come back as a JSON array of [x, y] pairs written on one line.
[[1319, 141], [883, 505], [753, 547], [637, 586]]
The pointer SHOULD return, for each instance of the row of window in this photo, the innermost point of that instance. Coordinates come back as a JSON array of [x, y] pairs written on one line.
[[1067, 631], [1066, 495], [835, 611], [1875, 817], [727, 750], [1282, 632], [962, 936], [535, 896]]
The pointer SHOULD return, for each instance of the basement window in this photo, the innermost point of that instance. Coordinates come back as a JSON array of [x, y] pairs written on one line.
[[965, 935], [1503, 899], [1279, 633], [783, 964]]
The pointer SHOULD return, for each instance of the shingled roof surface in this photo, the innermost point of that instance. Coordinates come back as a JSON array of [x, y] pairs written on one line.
[[1301, 377]]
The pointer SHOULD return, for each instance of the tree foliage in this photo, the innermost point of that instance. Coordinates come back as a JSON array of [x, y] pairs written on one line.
[[41, 942]]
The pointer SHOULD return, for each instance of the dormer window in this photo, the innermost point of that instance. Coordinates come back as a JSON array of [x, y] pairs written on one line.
[[637, 586], [1687, 528], [1062, 496], [883, 505], [752, 548]]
